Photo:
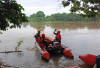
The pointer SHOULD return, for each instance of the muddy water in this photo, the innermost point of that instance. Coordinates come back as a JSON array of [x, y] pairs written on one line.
[[80, 38]]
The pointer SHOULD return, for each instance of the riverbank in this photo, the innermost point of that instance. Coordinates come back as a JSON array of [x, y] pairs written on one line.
[[68, 22]]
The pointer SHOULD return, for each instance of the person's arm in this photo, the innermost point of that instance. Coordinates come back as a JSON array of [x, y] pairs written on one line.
[[35, 35], [55, 32]]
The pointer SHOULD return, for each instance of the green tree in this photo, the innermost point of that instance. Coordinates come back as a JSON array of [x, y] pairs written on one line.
[[86, 8], [32, 16], [39, 19], [65, 17], [40, 14], [47, 18], [11, 14]]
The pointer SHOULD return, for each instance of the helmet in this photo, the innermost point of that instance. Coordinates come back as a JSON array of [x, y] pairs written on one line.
[[43, 35], [58, 32], [39, 31], [56, 37]]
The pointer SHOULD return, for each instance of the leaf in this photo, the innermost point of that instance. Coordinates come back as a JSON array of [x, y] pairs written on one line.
[[19, 43]]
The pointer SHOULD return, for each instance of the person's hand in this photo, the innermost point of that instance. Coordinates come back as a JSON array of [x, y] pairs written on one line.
[[55, 29]]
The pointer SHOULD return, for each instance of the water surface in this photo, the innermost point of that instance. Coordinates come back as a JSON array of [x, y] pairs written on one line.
[[80, 38]]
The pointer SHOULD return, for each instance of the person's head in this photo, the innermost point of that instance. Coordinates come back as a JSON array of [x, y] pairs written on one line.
[[43, 35], [56, 37], [58, 32], [39, 31]]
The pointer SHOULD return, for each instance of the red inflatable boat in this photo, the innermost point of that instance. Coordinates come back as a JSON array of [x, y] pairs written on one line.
[[52, 50], [89, 59], [73, 67]]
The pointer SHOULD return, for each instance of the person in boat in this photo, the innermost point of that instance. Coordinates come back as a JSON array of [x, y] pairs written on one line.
[[56, 44], [37, 36], [44, 41], [58, 36], [97, 65], [57, 40]]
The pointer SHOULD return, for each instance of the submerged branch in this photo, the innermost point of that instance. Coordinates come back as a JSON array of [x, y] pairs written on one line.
[[10, 51]]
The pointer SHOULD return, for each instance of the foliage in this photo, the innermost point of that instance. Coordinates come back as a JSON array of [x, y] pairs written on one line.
[[0, 32], [64, 17], [38, 17], [32, 16], [11, 14], [47, 18], [86, 8], [18, 45], [40, 14]]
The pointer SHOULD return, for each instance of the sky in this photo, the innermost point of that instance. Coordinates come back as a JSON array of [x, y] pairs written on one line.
[[47, 6]]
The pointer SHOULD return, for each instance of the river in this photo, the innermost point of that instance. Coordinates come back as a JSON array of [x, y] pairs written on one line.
[[81, 39]]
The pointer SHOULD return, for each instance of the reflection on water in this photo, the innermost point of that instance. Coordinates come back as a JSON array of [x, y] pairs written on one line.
[[38, 25], [19, 54], [80, 38], [70, 25]]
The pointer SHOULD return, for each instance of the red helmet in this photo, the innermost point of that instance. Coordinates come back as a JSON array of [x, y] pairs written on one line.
[[58, 32], [57, 37], [43, 35], [39, 31]]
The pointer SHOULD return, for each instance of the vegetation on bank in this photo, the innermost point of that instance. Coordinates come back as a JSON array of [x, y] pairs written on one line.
[[11, 14], [60, 17]]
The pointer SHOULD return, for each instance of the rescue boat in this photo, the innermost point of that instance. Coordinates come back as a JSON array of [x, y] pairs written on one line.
[[52, 49], [89, 59], [45, 54]]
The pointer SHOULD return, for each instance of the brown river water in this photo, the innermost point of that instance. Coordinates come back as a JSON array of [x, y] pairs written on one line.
[[80, 38]]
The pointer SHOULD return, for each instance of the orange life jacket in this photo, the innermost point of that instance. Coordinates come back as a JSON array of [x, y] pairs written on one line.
[[37, 37], [59, 36]]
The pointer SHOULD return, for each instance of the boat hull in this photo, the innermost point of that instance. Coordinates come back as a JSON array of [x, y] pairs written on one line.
[[45, 54], [89, 59], [52, 50]]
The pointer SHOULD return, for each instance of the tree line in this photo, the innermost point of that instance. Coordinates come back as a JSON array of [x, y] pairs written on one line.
[[11, 12], [64, 17]]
